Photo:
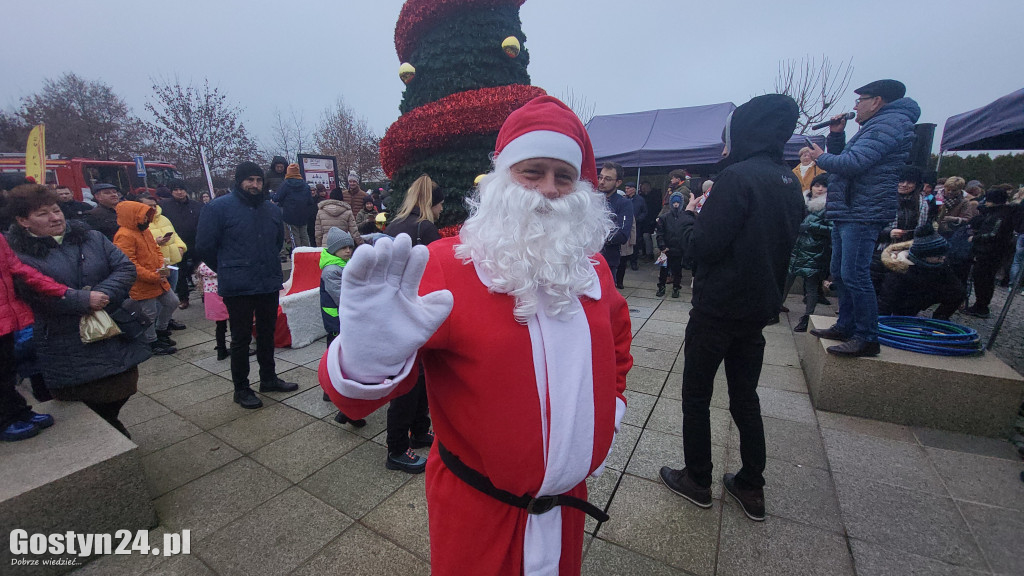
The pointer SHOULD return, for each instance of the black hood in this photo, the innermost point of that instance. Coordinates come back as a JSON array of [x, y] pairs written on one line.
[[277, 160], [761, 127]]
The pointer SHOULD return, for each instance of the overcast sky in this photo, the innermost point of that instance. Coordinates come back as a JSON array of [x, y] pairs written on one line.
[[953, 55]]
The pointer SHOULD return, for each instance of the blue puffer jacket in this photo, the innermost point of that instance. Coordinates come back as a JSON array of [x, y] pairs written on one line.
[[296, 201], [240, 236], [864, 172]]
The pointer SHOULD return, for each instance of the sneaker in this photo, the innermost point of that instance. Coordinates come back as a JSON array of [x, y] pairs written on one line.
[[340, 418], [855, 347], [161, 348], [679, 481], [830, 334], [175, 325], [40, 420], [801, 326], [675, 292], [19, 431], [660, 292], [247, 399], [424, 440], [165, 337], [407, 461], [751, 500], [278, 385], [977, 312]]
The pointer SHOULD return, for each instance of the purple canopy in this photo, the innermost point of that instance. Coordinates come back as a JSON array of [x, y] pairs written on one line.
[[669, 137], [996, 126]]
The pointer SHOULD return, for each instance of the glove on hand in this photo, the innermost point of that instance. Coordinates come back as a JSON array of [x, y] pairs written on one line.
[[382, 282]]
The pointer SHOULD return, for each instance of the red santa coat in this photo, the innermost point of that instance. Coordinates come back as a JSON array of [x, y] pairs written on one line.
[[485, 406]]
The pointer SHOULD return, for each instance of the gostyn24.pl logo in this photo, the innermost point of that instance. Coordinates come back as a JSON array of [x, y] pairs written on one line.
[[29, 547]]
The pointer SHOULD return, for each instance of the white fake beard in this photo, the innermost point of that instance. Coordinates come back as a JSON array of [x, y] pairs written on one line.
[[527, 243]]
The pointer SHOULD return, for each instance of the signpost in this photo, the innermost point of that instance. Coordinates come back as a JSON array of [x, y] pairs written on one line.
[[140, 170]]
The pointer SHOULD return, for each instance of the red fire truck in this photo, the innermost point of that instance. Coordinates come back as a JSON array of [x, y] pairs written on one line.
[[80, 174]]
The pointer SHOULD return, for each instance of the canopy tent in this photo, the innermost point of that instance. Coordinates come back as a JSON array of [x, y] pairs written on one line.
[[995, 126], [670, 137]]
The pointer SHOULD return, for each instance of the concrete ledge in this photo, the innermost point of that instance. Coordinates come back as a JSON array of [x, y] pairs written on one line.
[[977, 395], [79, 475]]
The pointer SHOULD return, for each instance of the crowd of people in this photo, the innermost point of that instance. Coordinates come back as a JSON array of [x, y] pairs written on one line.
[[129, 260], [516, 327]]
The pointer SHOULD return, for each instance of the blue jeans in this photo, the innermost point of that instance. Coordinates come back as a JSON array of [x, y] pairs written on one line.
[[853, 244], [1018, 260]]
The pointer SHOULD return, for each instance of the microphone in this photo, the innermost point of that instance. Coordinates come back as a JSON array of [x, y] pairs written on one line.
[[820, 125]]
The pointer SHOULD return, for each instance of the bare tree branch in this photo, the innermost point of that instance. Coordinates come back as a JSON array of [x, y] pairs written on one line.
[[349, 139], [816, 86], [584, 110]]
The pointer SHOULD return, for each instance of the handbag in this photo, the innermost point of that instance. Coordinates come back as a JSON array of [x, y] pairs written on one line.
[[96, 326], [132, 323]]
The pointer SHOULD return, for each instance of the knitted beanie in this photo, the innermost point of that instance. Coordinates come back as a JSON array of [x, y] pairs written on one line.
[[927, 244], [245, 170], [337, 239], [292, 172], [675, 197]]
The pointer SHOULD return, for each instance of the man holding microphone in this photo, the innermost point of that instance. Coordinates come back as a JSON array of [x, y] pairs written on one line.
[[862, 199]]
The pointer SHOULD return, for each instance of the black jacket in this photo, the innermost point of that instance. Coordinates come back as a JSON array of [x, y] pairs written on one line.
[[670, 230], [424, 229], [184, 216], [240, 236], [741, 242], [83, 258], [103, 220], [273, 180], [73, 209], [993, 231]]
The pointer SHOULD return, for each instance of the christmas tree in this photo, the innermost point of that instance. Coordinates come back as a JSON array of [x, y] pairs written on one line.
[[464, 64]]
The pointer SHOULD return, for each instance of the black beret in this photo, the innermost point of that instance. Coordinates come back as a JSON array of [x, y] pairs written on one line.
[[889, 90]]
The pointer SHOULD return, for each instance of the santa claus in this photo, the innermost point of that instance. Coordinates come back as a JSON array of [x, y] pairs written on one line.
[[525, 345]]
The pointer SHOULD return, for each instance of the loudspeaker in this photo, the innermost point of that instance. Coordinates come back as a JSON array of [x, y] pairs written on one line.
[[922, 149]]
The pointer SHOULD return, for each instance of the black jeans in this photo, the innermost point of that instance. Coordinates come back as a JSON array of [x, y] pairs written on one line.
[[675, 266], [241, 310], [812, 289], [407, 414], [221, 333], [12, 405], [185, 269], [985, 268], [707, 345]]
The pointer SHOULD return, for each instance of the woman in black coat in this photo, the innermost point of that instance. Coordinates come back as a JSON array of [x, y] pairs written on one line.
[[101, 374], [408, 415]]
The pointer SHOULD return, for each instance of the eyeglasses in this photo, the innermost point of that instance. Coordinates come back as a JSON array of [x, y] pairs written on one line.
[[863, 98]]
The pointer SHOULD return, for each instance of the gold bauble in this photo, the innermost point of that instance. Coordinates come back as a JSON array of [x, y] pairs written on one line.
[[406, 72], [511, 46]]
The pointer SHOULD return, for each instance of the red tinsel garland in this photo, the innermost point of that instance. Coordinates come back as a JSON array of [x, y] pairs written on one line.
[[430, 127], [449, 231], [420, 15]]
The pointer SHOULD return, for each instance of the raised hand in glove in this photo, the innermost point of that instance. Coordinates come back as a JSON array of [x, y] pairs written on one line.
[[382, 282]]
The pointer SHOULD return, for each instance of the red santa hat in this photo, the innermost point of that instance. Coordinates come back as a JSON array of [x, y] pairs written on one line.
[[546, 128]]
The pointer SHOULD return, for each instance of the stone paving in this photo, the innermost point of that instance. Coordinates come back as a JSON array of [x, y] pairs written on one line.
[[286, 490]]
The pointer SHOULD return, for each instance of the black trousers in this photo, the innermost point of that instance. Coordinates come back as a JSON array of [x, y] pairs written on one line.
[[241, 310], [12, 405], [707, 345], [221, 333], [109, 411], [185, 269], [408, 414], [985, 268], [675, 266]]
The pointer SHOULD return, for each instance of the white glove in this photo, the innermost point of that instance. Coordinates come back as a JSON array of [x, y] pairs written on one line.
[[381, 282]]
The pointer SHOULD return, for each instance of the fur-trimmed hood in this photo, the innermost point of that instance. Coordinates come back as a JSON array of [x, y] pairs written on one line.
[[895, 257], [39, 246]]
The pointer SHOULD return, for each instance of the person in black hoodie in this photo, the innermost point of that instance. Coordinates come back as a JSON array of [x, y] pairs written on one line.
[[740, 247], [992, 241], [276, 174]]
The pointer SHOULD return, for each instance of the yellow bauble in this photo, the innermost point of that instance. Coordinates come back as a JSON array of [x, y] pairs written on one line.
[[476, 181], [406, 72], [511, 46]]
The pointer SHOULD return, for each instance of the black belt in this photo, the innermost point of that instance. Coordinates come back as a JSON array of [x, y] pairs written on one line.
[[538, 505]]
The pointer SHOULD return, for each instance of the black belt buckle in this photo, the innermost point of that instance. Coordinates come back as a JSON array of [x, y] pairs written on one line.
[[541, 504]]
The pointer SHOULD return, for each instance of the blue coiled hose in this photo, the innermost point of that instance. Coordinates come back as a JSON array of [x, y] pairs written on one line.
[[928, 336]]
